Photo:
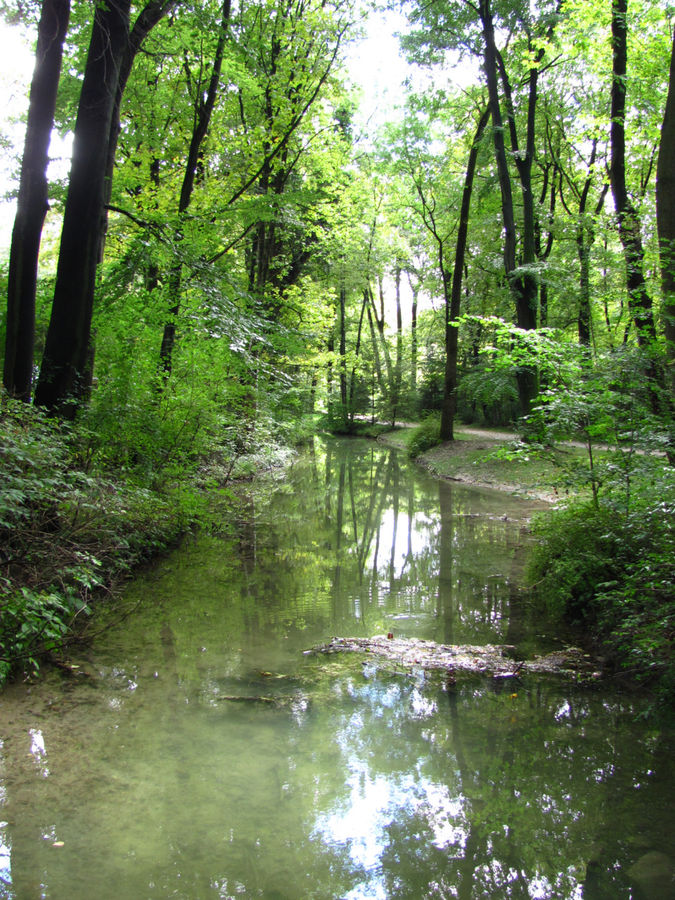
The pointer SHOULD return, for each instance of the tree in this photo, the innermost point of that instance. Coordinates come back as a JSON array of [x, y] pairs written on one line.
[[639, 299], [452, 310], [33, 201], [67, 361], [205, 94], [519, 273], [665, 214]]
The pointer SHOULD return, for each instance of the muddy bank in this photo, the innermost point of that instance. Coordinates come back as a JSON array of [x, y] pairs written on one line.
[[469, 460]]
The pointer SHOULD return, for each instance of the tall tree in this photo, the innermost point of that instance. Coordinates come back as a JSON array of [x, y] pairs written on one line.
[[452, 308], [639, 300], [63, 380], [519, 272], [205, 94], [665, 216], [32, 204]]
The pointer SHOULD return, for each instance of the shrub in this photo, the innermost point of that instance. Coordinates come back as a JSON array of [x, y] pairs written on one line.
[[427, 435], [612, 570]]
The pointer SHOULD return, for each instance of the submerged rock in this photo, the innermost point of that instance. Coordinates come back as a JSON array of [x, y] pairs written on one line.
[[495, 660]]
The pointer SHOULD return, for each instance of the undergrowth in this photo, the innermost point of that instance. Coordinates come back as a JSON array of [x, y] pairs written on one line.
[[611, 569], [426, 435], [72, 525]]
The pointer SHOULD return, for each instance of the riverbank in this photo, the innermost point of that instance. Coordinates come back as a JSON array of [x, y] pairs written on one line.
[[73, 529], [472, 459], [605, 551]]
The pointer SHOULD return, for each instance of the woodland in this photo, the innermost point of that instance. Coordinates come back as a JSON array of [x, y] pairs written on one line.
[[236, 260]]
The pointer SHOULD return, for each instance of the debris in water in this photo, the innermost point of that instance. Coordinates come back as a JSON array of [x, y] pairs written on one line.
[[488, 659]]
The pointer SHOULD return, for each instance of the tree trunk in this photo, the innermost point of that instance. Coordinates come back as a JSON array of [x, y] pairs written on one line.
[[449, 408], [639, 301], [343, 356], [32, 202], [398, 362], [61, 385], [665, 216], [415, 289], [523, 287], [204, 105]]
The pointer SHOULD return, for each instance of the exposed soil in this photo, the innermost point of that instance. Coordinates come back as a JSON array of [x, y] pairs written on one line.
[[458, 461]]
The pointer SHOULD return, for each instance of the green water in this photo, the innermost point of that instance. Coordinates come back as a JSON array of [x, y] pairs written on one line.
[[329, 778]]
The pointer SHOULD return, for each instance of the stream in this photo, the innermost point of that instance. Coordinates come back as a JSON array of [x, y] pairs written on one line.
[[199, 752]]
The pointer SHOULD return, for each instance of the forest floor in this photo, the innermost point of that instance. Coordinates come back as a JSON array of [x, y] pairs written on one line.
[[471, 458]]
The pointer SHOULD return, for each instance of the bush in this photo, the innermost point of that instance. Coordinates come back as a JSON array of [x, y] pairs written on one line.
[[64, 533], [612, 570], [427, 435]]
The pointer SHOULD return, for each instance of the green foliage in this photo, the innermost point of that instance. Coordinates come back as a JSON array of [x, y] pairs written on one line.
[[606, 560], [487, 397], [613, 572], [65, 532], [427, 435], [32, 624]]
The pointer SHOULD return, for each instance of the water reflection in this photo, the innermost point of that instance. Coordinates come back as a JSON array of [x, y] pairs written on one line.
[[202, 755]]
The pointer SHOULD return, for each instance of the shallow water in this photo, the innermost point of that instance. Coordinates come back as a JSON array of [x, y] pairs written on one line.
[[202, 754]]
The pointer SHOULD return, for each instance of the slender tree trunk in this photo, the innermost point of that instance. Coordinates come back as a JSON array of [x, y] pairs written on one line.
[[62, 382], [508, 217], [32, 202], [376, 350], [398, 362], [449, 408], [523, 286], [386, 386], [204, 105], [343, 356], [415, 289], [639, 301], [543, 252], [357, 351]]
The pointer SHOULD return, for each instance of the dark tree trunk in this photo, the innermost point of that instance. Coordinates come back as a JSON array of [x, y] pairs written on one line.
[[32, 200], [629, 223], [665, 216], [343, 356], [357, 351], [398, 362], [413, 337], [61, 385], [584, 239], [449, 408], [508, 217], [523, 286], [544, 251]]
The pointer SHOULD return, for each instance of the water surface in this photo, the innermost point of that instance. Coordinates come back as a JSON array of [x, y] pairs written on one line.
[[202, 754]]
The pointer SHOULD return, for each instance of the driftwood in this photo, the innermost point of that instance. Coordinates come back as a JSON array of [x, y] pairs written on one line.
[[495, 660]]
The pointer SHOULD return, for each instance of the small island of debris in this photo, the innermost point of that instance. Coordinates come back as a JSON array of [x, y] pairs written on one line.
[[494, 660]]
